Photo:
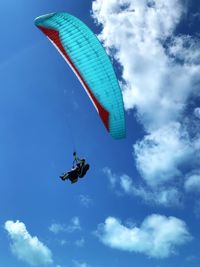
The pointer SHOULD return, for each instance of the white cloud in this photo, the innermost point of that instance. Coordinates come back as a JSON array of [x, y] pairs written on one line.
[[155, 81], [73, 226], [161, 73], [126, 183], [27, 248], [185, 48], [159, 154], [158, 236], [192, 183], [197, 112]]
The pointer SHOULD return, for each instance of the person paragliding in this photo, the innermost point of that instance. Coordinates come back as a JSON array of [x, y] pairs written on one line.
[[79, 170], [86, 56]]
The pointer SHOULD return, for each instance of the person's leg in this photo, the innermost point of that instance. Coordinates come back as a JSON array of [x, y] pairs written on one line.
[[84, 170], [67, 175], [73, 177], [64, 176], [74, 180]]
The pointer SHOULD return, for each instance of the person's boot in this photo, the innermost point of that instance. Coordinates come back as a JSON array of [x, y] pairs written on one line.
[[74, 181], [62, 177]]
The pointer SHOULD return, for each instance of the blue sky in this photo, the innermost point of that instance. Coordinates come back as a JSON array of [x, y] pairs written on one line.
[[140, 202]]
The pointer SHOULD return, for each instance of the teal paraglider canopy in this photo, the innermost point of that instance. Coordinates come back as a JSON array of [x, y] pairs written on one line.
[[88, 59]]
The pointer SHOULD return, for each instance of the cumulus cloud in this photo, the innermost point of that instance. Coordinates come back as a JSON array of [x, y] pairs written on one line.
[[160, 73], [26, 247], [158, 236], [155, 81], [73, 226], [159, 154], [192, 183]]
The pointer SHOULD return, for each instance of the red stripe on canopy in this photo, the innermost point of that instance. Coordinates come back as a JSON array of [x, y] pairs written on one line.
[[54, 37]]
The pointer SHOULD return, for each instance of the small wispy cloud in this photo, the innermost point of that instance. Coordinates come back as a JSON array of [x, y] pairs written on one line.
[[73, 226], [158, 236], [63, 242], [197, 208], [192, 258], [165, 196], [56, 228], [80, 242], [80, 264], [160, 195], [85, 200], [111, 176], [26, 247]]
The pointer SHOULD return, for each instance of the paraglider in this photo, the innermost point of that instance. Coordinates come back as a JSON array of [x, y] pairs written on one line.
[[79, 169], [88, 59], [83, 52]]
